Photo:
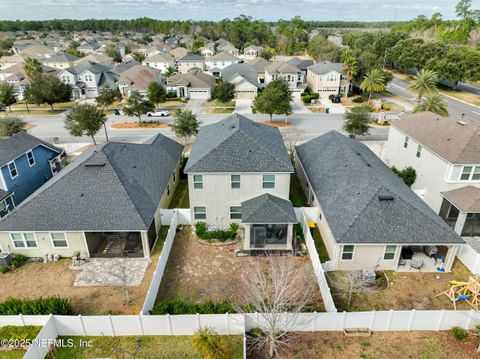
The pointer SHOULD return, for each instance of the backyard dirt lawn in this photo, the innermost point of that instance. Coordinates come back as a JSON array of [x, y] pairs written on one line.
[[406, 291], [199, 272], [401, 345], [34, 280]]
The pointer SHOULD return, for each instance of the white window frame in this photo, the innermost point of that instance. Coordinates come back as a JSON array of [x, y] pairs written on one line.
[[235, 182], [53, 240], [419, 151], [236, 213], [385, 252], [203, 212], [405, 142], [33, 158], [343, 252], [196, 182], [10, 170], [471, 173], [25, 246], [264, 182]]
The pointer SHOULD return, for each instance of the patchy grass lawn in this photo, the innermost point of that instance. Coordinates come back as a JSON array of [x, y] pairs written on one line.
[[218, 103], [460, 95], [158, 347], [34, 280], [320, 245], [297, 195], [197, 272], [180, 198], [42, 112], [34, 106], [381, 345], [172, 105], [406, 291], [217, 106], [28, 332], [392, 106]]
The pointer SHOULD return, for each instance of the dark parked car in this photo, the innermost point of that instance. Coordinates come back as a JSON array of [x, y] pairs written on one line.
[[334, 98], [3, 108]]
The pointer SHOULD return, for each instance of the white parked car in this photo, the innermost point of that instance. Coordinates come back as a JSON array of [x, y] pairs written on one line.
[[158, 113]]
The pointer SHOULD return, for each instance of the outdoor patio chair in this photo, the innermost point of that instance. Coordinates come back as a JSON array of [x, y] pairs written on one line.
[[402, 262], [416, 264]]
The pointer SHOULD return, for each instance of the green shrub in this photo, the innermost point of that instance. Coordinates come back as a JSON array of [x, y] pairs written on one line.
[[219, 234], [40, 306], [19, 260], [408, 175], [386, 107], [14, 332], [255, 333], [363, 108], [211, 345], [459, 333], [4, 269], [359, 99], [179, 306]]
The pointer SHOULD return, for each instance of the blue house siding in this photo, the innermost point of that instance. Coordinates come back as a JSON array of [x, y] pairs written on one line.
[[29, 179]]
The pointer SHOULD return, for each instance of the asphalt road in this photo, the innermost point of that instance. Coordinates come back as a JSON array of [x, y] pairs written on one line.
[[455, 108], [311, 125]]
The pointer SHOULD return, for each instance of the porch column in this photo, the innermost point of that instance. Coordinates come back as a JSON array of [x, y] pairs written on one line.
[[246, 241], [146, 249], [462, 217], [450, 257], [290, 236]]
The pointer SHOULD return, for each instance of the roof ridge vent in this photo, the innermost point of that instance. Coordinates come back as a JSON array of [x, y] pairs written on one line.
[[93, 164], [385, 197]]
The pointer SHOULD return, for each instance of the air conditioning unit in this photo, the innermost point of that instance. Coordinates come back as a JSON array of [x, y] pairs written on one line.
[[5, 259]]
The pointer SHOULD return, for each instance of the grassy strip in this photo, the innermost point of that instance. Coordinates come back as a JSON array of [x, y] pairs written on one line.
[[320, 245]]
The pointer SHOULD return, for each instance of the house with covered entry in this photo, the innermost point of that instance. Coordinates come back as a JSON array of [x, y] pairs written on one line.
[[195, 84], [26, 163], [291, 74], [327, 78], [245, 79], [239, 172], [445, 153], [105, 204], [367, 216]]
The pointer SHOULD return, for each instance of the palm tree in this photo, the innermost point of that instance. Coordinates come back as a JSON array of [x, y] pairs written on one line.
[[374, 81], [170, 71], [350, 67], [424, 83], [32, 67], [434, 103]]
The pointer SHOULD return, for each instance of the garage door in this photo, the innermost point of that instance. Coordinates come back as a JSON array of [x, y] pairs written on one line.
[[198, 94], [249, 95]]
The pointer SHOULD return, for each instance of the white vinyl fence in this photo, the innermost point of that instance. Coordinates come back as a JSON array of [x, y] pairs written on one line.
[[317, 265], [470, 258]]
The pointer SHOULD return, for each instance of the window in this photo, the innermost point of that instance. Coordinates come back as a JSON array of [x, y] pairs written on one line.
[[347, 253], [168, 190], [405, 143], [476, 174], [419, 151], [13, 169], [389, 253], [31, 159], [23, 240], [235, 212], [467, 170], [268, 181], [174, 176], [235, 180], [200, 212], [59, 240], [197, 181]]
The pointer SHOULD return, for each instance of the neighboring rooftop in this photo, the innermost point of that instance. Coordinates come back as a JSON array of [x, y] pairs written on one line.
[[223, 56], [281, 67], [363, 200], [238, 144], [466, 199], [191, 57], [61, 57], [325, 67], [195, 78], [259, 64], [247, 71], [299, 63], [268, 209], [117, 186], [21, 142], [454, 139]]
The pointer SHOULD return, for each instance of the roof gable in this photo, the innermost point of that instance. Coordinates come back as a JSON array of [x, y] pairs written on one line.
[[19, 143]]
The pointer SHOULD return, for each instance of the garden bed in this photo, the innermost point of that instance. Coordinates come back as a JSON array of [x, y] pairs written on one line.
[[143, 124], [277, 124]]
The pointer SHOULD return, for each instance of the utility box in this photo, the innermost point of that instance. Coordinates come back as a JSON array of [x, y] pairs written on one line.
[[369, 276]]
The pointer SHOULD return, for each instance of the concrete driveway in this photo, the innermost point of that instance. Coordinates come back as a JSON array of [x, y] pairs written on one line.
[[243, 106], [299, 107], [196, 106], [332, 107]]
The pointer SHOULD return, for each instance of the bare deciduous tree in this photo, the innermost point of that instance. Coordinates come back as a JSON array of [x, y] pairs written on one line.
[[271, 291], [121, 270], [292, 137]]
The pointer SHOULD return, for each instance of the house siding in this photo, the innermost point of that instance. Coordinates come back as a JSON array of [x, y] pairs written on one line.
[[167, 198]]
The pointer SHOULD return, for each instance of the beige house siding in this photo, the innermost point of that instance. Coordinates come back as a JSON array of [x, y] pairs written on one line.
[[167, 198], [318, 83], [184, 66], [367, 256]]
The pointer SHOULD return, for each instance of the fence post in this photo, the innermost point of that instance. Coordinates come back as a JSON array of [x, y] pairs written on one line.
[[256, 317], [314, 321], [21, 319], [372, 319], [440, 320], [199, 324], [169, 324], [344, 321], [141, 324], [410, 321], [389, 320], [111, 325], [228, 323], [82, 324]]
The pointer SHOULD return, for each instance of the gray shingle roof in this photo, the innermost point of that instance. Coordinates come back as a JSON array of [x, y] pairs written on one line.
[[191, 57], [93, 67], [4, 194], [302, 64], [62, 57], [326, 66], [268, 209], [238, 144], [18, 144], [348, 179], [245, 70], [117, 186]]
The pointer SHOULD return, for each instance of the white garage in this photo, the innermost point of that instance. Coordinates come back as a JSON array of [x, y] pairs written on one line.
[[199, 94]]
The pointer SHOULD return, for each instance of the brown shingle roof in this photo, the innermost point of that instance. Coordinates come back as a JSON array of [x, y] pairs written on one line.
[[466, 199], [281, 67], [455, 140]]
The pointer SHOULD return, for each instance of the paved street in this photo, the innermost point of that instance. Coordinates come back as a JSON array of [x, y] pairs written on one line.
[[456, 108]]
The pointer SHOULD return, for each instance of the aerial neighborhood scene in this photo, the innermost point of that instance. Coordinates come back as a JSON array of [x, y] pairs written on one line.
[[243, 179]]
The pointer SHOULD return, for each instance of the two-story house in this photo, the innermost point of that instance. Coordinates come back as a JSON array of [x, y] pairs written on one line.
[[26, 163], [60, 61], [291, 74], [188, 62], [327, 78], [218, 62], [239, 172], [12, 60], [251, 52], [160, 62], [445, 153]]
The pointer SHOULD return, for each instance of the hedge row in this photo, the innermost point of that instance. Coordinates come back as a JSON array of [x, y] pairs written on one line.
[[40, 306], [178, 306], [220, 234]]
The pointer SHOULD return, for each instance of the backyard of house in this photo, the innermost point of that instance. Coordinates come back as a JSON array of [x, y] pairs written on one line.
[[405, 291], [198, 272]]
